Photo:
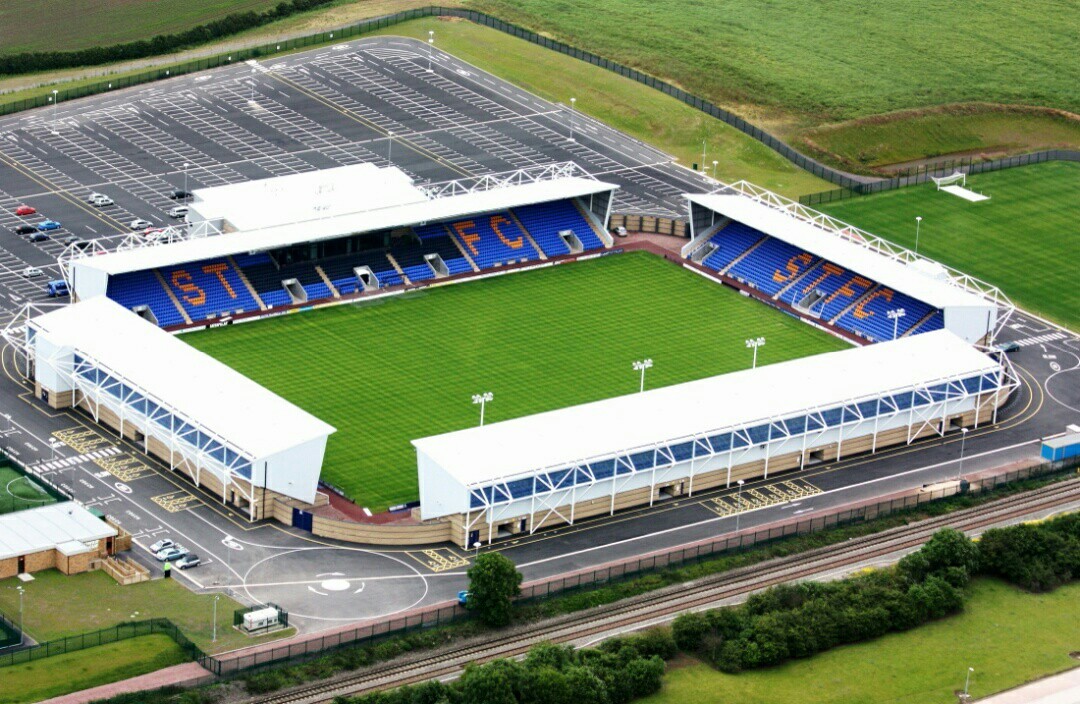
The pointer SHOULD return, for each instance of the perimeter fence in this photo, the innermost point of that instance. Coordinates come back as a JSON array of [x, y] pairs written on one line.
[[113, 634]]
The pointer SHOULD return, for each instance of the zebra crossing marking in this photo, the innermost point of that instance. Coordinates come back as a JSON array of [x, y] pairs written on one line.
[[1040, 339]]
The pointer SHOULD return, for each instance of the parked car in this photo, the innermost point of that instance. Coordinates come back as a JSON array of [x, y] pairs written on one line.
[[38, 237], [25, 210], [180, 194], [619, 231], [24, 229], [31, 271], [46, 225], [161, 545], [1007, 347], [189, 560], [140, 224], [171, 554], [178, 212], [99, 199], [57, 288]]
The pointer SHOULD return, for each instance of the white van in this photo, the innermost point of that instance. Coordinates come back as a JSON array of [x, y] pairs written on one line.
[[178, 212]]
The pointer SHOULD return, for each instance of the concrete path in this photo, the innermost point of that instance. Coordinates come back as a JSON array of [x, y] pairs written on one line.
[[177, 674], [1063, 688]]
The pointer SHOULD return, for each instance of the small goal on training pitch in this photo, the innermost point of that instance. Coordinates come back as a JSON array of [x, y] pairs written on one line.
[[957, 177]]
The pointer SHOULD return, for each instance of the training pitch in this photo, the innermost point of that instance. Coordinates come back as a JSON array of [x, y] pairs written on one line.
[[404, 367], [19, 492]]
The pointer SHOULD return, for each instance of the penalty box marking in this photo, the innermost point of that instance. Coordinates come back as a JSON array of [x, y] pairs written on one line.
[[439, 559], [176, 501], [126, 468], [761, 496], [82, 440]]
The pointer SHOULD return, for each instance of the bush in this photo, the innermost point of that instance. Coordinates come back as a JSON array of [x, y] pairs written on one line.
[[493, 583]]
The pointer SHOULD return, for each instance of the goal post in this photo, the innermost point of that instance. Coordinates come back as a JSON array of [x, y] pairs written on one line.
[[957, 177]]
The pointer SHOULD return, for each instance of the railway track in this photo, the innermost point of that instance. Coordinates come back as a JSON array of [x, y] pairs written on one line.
[[675, 599]]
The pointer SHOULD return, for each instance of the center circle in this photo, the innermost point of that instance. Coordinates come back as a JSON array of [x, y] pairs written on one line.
[[335, 585]]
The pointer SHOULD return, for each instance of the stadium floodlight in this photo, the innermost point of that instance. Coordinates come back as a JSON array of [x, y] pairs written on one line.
[[482, 399], [754, 344], [430, 47], [895, 316], [918, 224], [963, 441], [641, 366], [738, 508], [573, 106]]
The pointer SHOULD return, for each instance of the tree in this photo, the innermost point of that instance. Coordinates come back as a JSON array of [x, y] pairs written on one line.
[[493, 582], [950, 548]]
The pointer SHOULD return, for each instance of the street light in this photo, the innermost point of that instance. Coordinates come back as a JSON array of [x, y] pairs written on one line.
[[895, 316], [754, 344], [967, 681], [703, 142], [22, 629], [715, 162], [738, 514], [430, 46], [389, 146], [55, 99], [641, 366], [918, 224], [482, 399], [573, 105], [963, 441], [216, 597], [185, 179]]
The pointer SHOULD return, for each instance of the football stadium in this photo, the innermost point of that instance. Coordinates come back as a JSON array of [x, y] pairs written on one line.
[[324, 349]]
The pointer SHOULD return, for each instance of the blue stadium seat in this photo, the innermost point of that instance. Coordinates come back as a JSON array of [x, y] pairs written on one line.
[[772, 265], [870, 318], [209, 288], [435, 239], [545, 221], [142, 288], [493, 240], [731, 241]]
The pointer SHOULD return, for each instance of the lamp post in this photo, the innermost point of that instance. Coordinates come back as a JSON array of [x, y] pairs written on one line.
[[477, 545], [641, 366], [185, 179], [918, 224], [963, 442], [703, 143], [55, 99], [430, 47], [252, 98], [894, 316], [754, 344], [715, 162], [216, 597], [573, 106], [389, 146], [738, 514], [482, 399], [967, 681], [22, 629]]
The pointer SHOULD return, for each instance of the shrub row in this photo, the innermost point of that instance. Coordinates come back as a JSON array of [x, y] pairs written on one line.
[[30, 61], [1038, 557]]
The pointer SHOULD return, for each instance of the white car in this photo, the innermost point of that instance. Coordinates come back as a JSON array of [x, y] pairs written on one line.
[[178, 212], [32, 271], [170, 554], [161, 545], [140, 224], [99, 199]]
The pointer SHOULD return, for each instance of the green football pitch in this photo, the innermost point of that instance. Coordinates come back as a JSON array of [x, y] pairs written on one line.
[[1024, 239], [391, 370], [18, 492]]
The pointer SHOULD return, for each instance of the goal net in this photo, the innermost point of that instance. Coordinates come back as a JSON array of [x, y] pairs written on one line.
[[958, 177]]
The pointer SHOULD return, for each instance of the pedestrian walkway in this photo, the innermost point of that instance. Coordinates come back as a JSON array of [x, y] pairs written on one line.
[[188, 672], [1062, 688]]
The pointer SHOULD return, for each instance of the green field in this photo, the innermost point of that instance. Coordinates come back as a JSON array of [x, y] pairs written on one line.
[[72, 672], [1024, 239], [18, 492], [57, 605], [1008, 636], [392, 370]]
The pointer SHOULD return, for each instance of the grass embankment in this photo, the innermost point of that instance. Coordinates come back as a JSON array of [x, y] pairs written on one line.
[[1024, 239], [1009, 636], [73, 672], [539, 341], [57, 605]]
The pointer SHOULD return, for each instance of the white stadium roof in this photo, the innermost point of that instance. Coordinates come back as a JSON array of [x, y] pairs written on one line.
[[785, 226], [368, 214], [63, 526], [558, 438], [195, 385]]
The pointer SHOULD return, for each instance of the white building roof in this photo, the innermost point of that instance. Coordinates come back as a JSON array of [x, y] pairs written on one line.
[[65, 526], [783, 225], [558, 438], [326, 193], [195, 385], [378, 214]]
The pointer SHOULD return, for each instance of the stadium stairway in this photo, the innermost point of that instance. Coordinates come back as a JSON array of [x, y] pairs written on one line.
[[247, 283], [326, 280], [340, 270], [545, 221], [768, 266], [146, 288], [208, 289], [493, 240], [870, 318], [934, 320]]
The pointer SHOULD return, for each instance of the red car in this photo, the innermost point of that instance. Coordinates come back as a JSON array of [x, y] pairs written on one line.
[[25, 210]]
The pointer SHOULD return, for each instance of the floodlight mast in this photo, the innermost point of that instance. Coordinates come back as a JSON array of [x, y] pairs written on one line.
[[641, 366], [895, 316], [753, 344], [482, 399]]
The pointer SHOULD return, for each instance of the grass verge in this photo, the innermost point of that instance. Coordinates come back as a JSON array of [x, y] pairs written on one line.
[[57, 605], [1024, 239], [1009, 636], [538, 340], [73, 672]]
